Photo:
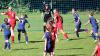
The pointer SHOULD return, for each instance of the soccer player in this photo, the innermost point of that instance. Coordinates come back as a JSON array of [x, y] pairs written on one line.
[[58, 22], [77, 22], [12, 20], [96, 51], [49, 44], [46, 15], [21, 27], [7, 33], [94, 24]]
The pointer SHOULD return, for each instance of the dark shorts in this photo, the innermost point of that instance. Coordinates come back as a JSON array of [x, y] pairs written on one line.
[[46, 18], [95, 29], [78, 25], [23, 31], [7, 37]]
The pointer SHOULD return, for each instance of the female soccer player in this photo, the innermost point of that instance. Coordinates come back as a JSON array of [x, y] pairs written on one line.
[[46, 15], [58, 22], [77, 22], [12, 20], [21, 27], [49, 42], [7, 33], [94, 24]]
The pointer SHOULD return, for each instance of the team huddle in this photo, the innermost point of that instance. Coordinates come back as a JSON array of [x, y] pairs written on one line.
[[51, 26]]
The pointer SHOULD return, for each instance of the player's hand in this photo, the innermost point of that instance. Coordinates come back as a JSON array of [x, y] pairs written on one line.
[[29, 26], [1, 30]]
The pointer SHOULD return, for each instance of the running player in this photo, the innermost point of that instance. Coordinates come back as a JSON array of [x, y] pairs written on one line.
[[21, 27], [77, 22], [94, 24], [12, 20], [58, 21], [46, 15], [7, 33]]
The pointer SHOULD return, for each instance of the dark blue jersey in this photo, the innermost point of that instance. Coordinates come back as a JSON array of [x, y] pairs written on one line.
[[93, 21], [6, 27], [21, 24], [75, 15]]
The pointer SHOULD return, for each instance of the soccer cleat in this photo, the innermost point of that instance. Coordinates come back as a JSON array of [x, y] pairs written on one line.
[[26, 42]]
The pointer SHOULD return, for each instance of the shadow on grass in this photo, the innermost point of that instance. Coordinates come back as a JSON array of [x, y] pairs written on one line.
[[35, 41], [78, 39], [25, 49], [71, 49], [73, 55], [74, 39], [31, 42]]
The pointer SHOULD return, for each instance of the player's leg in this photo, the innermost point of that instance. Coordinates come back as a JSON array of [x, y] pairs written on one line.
[[5, 45], [26, 36], [19, 35], [60, 27], [12, 33], [44, 26], [8, 41], [51, 54], [64, 34], [77, 28], [44, 54]]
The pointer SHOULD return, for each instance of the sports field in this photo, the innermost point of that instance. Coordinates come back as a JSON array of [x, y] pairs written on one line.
[[74, 47]]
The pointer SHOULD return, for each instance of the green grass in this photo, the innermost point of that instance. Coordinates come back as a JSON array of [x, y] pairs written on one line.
[[75, 47]]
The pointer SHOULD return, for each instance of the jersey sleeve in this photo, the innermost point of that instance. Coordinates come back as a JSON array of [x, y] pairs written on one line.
[[26, 21], [2, 26]]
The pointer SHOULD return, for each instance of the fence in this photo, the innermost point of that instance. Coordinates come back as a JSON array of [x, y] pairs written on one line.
[[62, 5]]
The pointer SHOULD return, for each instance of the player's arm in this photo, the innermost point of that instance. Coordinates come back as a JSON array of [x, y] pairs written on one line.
[[45, 44], [3, 13], [95, 51], [97, 20], [28, 24], [87, 22], [55, 20], [17, 18]]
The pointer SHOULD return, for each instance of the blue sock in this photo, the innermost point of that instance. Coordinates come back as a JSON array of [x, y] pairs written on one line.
[[18, 37], [8, 44], [93, 36], [26, 38], [5, 45]]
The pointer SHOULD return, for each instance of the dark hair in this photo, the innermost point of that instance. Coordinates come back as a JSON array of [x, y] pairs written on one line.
[[91, 13], [6, 20], [25, 15]]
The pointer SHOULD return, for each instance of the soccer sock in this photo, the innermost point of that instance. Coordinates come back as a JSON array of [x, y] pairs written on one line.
[[8, 44], [65, 35], [26, 38], [44, 28], [5, 46], [19, 37], [77, 34], [93, 36], [12, 39]]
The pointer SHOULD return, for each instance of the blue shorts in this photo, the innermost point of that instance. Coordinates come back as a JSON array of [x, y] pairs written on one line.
[[95, 29], [20, 30], [78, 25], [7, 37]]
